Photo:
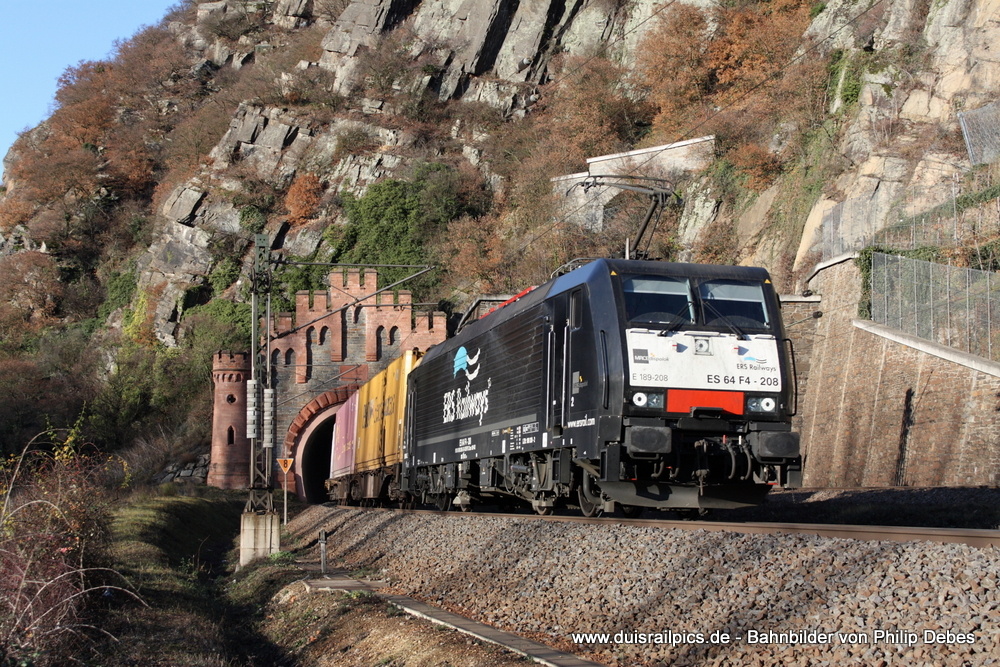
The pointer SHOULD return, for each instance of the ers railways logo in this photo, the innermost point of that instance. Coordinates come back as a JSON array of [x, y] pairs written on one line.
[[463, 362], [462, 402]]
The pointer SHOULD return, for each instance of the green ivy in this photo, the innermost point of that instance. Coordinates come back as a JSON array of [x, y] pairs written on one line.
[[289, 279], [229, 322], [252, 219], [850, 89], [864, 263], [728, 182], [134, 318], [395, 220]]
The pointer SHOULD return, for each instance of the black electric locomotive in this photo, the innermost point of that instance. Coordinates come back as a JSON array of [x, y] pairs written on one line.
[[647, 384]]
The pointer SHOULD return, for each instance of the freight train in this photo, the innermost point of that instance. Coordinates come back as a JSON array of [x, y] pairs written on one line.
[[622, 384]]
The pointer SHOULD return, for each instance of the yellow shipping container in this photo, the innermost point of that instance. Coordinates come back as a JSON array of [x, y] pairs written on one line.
[[381, 406]]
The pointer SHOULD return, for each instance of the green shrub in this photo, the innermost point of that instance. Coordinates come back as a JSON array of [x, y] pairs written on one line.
[[282, 557], [224, 274], [252, 219], [397, 222], [120, 289], [288, 279], [224, 322]]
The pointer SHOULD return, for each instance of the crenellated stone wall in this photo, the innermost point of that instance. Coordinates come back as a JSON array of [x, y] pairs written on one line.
[[333, 342]]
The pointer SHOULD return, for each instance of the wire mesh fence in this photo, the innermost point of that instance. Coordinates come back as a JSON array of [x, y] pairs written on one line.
[[981, 131], [966, 214], [947, 305]]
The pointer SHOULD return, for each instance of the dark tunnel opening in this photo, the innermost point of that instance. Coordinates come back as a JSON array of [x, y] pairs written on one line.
[[315, 464]]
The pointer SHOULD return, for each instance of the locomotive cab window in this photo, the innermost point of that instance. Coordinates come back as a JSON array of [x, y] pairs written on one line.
[[658, 300], [733, 302]]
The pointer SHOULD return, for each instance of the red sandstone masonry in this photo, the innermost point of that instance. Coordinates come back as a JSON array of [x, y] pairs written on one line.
[[230, 458], [348, 334]]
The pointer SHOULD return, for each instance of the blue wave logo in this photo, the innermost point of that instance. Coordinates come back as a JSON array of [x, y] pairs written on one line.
[[463, 362], [755, 360]]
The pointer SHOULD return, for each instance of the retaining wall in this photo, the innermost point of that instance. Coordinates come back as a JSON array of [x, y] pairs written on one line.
[[880, 408]]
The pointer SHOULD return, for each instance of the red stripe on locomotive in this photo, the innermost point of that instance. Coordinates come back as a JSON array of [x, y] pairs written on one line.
[[682, 400]]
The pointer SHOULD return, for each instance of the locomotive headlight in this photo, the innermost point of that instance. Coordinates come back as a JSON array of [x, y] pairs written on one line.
[[652, 399], [758, 404]]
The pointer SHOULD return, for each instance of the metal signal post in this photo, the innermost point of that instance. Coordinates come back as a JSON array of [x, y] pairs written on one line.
[[260, 396]]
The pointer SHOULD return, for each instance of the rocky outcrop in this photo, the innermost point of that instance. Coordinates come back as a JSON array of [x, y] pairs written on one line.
[[177, 260], [291, 14], [931, 67], [271, 142], [493, 51], [266, 143], [193, 472]]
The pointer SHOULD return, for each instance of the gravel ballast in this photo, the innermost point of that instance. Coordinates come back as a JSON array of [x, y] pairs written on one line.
[[673, 597]]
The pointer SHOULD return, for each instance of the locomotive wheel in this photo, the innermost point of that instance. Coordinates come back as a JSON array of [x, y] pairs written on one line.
[[587, 507], [544, 511], [443, 502]]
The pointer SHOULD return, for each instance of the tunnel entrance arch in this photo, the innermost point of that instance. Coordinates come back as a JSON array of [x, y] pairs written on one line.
[[309, 442]]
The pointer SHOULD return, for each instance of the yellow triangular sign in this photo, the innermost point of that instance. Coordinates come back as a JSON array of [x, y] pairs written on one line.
[[285, 464]]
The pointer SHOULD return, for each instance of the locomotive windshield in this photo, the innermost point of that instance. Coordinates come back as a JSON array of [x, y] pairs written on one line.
[[733, 303], [658, 299], [677, 302]]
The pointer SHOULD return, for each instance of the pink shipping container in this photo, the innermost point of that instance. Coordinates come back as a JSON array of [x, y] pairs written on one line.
[[344, 439]]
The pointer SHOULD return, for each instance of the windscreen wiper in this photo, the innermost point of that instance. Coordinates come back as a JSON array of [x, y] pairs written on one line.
[[679, 319], [742, 335]]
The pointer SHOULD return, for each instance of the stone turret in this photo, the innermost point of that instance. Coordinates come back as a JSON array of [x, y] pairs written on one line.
[[230, 467]]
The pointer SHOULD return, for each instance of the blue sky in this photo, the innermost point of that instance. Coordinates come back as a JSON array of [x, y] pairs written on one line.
[[38, 41]]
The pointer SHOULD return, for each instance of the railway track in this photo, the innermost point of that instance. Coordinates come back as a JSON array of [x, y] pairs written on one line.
[[613, 575], [973, 537]]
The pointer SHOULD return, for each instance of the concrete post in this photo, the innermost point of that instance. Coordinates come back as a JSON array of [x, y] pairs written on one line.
[[260, 535]]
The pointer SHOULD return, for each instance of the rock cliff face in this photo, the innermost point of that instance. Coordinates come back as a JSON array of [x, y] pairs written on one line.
[[930, 61], [914, 65], [492, 51]]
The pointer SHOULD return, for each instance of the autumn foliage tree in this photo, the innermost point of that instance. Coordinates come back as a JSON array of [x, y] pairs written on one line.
[[589, 110], [104, 133], [672, 67], [732, 71], [29, 295], [303, 197]]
